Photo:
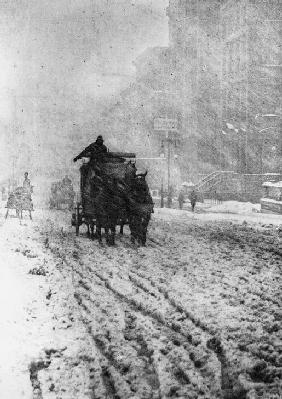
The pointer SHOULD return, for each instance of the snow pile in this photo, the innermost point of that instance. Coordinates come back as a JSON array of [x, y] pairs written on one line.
[[242, 208]]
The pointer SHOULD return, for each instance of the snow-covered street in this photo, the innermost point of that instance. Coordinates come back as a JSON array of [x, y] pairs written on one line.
[[194, 314]]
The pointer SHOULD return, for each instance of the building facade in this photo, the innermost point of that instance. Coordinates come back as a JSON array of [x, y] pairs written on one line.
[[194, 40], [251, 79], [228, 71]]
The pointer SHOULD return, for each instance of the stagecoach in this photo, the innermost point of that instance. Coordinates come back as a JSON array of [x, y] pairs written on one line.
[[106, 186]]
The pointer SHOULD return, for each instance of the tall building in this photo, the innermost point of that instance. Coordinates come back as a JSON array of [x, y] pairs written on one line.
[[251, 78], [228, 72], [194, 40]]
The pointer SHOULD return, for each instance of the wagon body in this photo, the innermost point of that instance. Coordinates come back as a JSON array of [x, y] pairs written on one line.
[[112, 166], [19, 199], [112, 169]]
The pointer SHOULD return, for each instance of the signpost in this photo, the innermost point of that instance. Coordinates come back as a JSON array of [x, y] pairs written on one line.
[[165, 124]]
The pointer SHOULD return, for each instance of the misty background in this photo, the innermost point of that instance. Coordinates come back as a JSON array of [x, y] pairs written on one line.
[[71, 70], [62, 64]]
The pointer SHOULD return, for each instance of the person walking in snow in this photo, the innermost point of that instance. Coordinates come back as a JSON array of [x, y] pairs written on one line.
[[193, 199], [181, 199]]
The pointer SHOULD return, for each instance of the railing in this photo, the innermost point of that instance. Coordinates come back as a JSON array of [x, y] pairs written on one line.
[[212, 180]]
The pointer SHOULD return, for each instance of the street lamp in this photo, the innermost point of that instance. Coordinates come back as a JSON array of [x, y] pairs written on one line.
[[267, 128], [162, 155], [267, 115]]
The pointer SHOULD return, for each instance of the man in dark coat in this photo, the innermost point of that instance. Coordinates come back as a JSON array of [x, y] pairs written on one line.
[[193, 199], [93, 150], [181, 199]]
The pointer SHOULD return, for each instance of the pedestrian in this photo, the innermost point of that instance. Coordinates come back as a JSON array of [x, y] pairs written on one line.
[[193, 199], [27, 184], [3, 193], [28, 190], [181, 199], [169, 196]]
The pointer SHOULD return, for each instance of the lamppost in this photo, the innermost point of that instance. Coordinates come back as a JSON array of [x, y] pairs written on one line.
[[169, 140], [162, 155], [169, 128]]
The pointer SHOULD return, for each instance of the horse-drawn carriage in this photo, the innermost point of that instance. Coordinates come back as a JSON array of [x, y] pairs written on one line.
[[62, 194], [112, 194], [20, 200]]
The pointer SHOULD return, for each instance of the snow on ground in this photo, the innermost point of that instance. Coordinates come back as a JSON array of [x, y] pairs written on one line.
[[235, 207], [234, 211], [194, 314]]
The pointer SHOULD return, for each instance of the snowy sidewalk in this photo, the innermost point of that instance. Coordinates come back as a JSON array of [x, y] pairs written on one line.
[[227, 211], [24, 320]]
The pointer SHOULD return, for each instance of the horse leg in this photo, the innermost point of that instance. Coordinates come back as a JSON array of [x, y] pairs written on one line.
[[98, 231], [30, 216], [95, 234], [133, 230], [88, 230], [7, 213], [145, 223], [113, 234], [107, 233], [139, 230], [121, 227], [92, 230]]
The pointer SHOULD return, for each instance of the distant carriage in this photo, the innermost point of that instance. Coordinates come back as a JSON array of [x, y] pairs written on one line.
[[61, 195], [20, 200], [113, 195]]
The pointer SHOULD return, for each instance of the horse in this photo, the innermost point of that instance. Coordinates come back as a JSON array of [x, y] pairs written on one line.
[[108, 202], [119, 196], [141, 207]]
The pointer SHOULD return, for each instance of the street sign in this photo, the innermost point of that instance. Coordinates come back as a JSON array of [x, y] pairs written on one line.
[[165, 124]]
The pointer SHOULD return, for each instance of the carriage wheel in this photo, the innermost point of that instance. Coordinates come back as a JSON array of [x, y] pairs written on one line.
[[77, 220]]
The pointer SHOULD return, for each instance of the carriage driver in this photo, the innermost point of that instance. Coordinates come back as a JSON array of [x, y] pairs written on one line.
[[94, 149]]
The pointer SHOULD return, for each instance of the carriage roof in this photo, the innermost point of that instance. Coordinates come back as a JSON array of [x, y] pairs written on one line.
[[113, 164]]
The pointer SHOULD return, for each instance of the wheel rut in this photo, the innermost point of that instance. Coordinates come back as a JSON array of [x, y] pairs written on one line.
[[162, 337]]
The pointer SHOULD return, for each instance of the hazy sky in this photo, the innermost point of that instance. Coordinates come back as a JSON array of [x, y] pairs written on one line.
[[75, 45], [62, 55]]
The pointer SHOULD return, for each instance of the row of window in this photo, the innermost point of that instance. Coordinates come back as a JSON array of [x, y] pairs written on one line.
[[234, 56]]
